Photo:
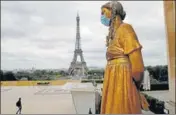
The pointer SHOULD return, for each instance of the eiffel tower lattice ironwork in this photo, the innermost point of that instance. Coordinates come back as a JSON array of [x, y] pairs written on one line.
[[78, 69]]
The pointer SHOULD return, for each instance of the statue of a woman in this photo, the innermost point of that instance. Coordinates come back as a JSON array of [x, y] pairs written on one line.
[[125, 67]]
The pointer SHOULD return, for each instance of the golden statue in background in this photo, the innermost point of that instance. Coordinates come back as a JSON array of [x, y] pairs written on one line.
[[125, 67]]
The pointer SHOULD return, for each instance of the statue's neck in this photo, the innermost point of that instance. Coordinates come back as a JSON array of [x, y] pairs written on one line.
[[117, 22], [113, 28]]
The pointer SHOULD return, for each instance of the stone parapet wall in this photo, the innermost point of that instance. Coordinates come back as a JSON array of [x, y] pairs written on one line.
[[169, 13], [35, 83]]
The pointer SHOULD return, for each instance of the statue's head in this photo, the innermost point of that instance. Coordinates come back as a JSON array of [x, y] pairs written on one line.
[[110, 11]]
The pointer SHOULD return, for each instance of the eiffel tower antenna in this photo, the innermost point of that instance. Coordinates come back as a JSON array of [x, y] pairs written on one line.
[[78, 69]]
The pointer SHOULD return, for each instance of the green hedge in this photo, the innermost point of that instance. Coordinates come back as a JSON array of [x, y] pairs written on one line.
[[43, 83], [90, 80], [156, 106]]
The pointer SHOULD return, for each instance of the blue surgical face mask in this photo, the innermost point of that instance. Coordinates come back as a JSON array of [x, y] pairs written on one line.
[[105, 21]]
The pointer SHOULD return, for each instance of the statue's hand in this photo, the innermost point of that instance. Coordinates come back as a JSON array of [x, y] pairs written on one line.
[[138, 78]]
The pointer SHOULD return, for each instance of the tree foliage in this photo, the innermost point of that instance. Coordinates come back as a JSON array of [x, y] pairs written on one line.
[[8, 76], [158, 72], [1, 75]]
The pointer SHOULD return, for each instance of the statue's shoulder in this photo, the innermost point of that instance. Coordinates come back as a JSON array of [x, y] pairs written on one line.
[[126, 26]]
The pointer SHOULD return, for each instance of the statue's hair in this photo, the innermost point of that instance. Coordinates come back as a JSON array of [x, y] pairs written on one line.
[[107, 5], [117, 10], [116, 7]]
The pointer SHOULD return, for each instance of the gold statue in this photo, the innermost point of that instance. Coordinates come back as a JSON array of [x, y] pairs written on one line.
[[125, 67]]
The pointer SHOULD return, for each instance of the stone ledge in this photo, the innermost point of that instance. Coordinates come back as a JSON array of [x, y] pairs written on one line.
[[170, 105], [147, 112]]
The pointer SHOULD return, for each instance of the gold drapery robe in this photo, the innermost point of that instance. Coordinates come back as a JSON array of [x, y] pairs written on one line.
[[120, 95]]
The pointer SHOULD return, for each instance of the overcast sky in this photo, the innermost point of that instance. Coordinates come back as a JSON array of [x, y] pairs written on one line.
[[42, 34]]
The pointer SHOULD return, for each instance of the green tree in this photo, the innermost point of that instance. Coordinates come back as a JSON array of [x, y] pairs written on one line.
[[22, 74], [1, 75], [63, 73], [9, 76], [158, 72], [90, 77]]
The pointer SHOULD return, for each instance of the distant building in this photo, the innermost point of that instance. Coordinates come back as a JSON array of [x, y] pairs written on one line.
[[146, 81], [24, 79]]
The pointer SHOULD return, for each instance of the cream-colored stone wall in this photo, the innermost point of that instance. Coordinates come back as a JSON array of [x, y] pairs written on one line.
[[169, 11]]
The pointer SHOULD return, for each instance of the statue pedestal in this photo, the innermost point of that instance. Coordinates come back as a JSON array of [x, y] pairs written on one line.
[[170, 106], [83, 96], [83, 101]]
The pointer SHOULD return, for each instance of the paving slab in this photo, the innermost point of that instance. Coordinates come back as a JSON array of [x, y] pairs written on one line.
[[44, 99], [42, 103]]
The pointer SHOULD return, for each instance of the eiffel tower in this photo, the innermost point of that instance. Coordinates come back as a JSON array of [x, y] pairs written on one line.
[[78, 69]]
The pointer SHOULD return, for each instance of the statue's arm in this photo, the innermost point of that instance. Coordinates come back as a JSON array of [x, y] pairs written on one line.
[[132, 48], [137, 66]]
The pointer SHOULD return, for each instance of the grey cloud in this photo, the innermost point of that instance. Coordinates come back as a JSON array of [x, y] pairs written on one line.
[[94, 51], [140, 10], [148, 33], [16, 7], [18, 56], [53, 12], [154, 54], [7, 54], [10, 60], [51, 43], [95, 57], [12, 32], [17, 26]]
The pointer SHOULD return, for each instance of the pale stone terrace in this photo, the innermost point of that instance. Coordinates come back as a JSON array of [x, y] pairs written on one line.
[[38, 100]]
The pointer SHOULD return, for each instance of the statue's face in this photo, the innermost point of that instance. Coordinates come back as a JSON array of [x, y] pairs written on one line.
[[106, 12], [105, 16]]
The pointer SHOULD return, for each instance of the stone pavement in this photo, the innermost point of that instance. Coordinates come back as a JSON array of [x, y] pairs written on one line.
[[43, 102], [38, 100]]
